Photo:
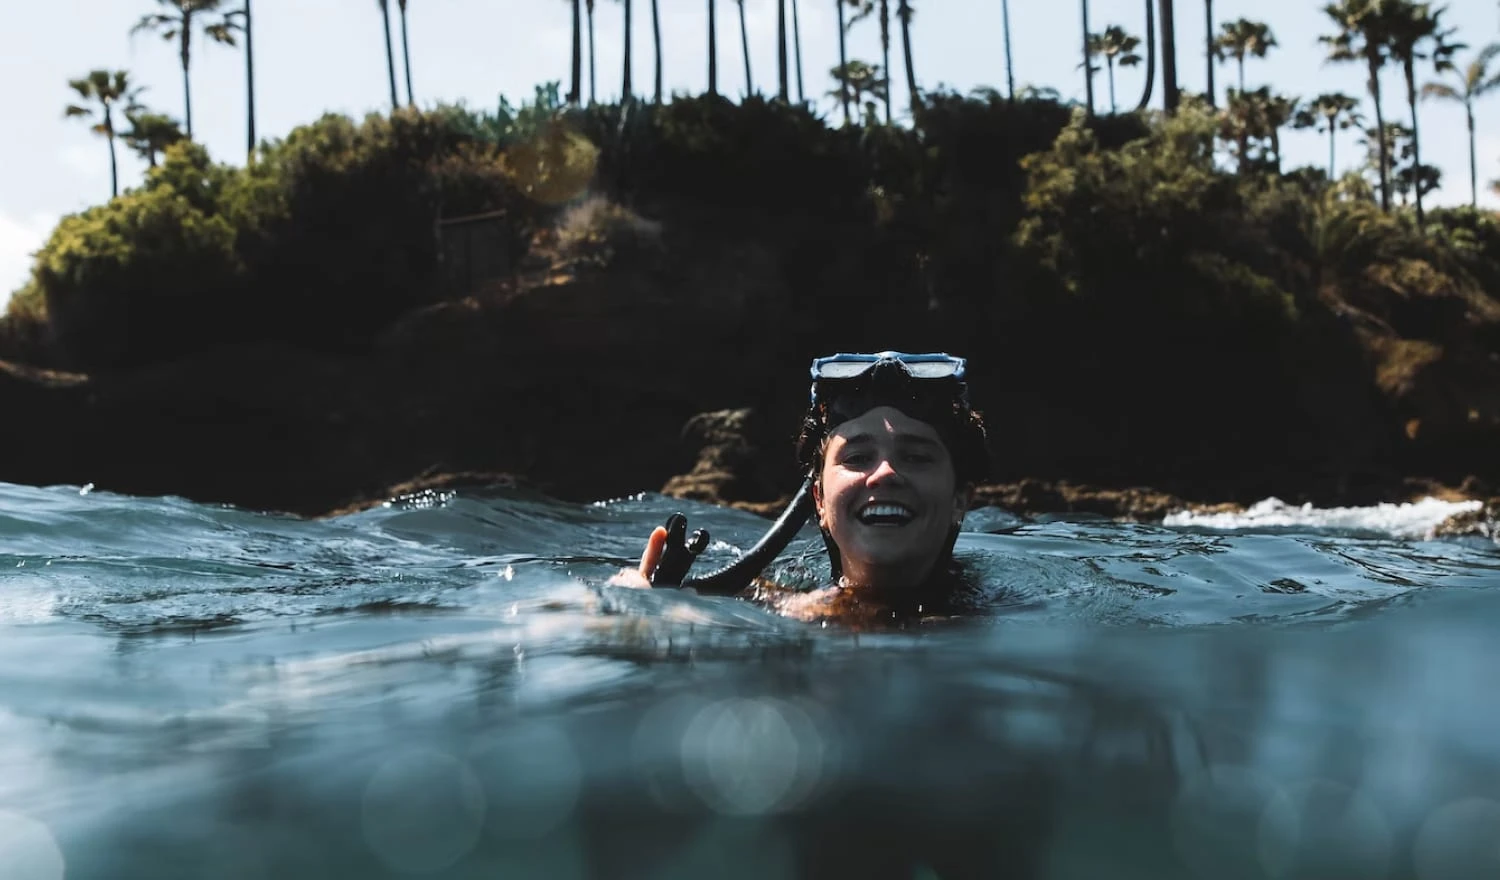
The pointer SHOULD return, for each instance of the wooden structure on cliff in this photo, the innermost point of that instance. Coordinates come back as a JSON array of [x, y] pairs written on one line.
[[474, 251]]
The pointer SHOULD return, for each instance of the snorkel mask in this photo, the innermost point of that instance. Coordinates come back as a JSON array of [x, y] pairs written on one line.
[[929, 387]]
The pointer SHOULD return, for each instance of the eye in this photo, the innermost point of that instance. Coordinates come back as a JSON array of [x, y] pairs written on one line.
[[920, 457], [855, 459]]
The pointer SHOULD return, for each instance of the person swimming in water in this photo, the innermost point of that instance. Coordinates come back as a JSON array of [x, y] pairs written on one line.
[[892, 450]]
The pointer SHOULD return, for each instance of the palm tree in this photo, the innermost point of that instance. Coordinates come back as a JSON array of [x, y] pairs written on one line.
[[150, 133], [1169, 56], [1406, 175], [1416, 34], [1362, 38], [863, 9], [1332, 112], [1114, 45], [626, 92], [745, 48], [1208, 9], [797, 51], [593, 80], [1475, 83], [904, 12], [656, 41], [178, 25], [1010, 71], [713, 49], [1088, 64], [844, 50], [406, 53], [885, 52], [1241, 39], [244, 26], [106, 88], [390, 55], [1278, 111], [856, 79], [575, 93], [1150, 56], [783, 89]]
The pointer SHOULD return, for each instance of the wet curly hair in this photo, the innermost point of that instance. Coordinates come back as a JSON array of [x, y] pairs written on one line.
[[960, 427]]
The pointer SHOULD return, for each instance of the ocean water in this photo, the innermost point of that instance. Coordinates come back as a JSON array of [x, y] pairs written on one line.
[[443, 687]]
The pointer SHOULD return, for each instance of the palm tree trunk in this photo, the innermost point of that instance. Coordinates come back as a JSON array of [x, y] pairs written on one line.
[[390, 51], [885, 46], [843, 61], [1416, 137], [1213, 100], [1473, 159], [406, 58], [187, 85], [593, 78], [575, 95], [249, 83], [797, 52], [745, 48], [905, 13], [783, 89], [1150, 55], [1010, 70], [713, 49], [1242, 72], [1088, 63], [114, 168], [1110, 63], [1169, 55], [1332, 131], [656, 40], [626, 92], [1373, 61]]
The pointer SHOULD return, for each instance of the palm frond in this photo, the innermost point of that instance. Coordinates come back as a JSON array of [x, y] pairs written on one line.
[[156, 21], [1441, 91], [220, 33], [73, 110]]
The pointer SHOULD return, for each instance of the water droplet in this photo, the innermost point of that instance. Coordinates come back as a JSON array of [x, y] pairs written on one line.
[[1458, 841], [422, 811]]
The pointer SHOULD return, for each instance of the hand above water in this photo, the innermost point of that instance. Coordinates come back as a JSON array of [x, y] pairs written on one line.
[[640, 576]]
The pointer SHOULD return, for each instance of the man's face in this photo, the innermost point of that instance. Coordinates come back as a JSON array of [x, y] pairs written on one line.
[[888, 496]]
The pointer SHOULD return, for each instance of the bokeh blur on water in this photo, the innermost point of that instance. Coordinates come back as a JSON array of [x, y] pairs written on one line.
[[442, 688]]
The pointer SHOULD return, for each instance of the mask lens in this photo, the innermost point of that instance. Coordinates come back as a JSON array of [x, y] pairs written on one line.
[[932, 369], [843, 369]]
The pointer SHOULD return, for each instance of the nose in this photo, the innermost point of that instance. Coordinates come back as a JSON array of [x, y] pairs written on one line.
[[883, 473]]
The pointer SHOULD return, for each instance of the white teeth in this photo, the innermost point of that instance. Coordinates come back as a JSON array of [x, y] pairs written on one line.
[[874, 510]]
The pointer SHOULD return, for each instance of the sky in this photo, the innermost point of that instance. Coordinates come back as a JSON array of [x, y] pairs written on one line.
[[318, 56]]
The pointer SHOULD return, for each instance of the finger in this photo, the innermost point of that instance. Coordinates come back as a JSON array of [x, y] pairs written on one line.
[[652, 554]]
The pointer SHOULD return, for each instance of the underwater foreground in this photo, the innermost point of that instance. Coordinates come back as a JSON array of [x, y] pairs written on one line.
[[441, 687]]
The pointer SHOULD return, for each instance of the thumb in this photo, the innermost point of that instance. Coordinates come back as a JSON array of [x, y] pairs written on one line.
[[652, 554]]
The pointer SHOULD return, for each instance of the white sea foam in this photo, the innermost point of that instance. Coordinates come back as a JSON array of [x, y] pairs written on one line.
[[1418, 519]]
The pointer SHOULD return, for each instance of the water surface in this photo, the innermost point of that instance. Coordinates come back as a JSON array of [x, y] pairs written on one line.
[[442, 687]]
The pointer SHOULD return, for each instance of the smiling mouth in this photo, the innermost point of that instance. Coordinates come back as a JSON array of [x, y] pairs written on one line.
[[885, 514]]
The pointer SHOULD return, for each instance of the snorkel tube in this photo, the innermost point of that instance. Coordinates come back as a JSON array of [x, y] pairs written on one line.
[[680, 552]]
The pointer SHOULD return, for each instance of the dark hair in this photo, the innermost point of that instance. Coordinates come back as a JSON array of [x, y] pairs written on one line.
[[961, 429]]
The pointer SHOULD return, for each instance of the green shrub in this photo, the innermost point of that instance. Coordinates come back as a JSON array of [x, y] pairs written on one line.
[[25, 336], [146, 273], [327, 237]]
